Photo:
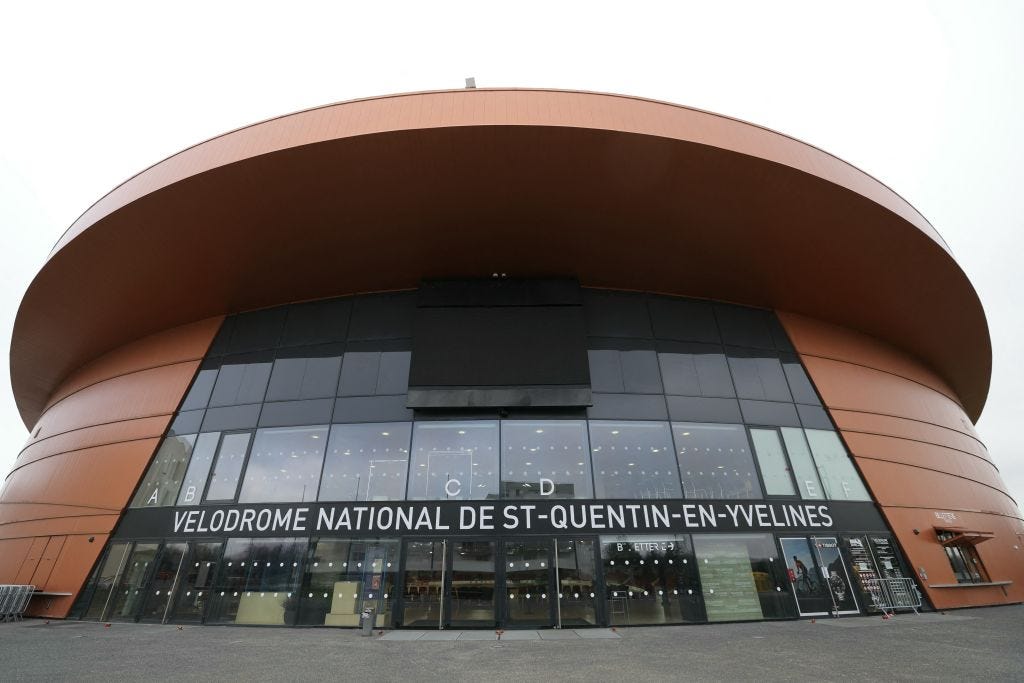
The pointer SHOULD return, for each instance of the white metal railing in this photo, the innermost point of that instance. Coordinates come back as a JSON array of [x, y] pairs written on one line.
[[889, 595], [13, 600]]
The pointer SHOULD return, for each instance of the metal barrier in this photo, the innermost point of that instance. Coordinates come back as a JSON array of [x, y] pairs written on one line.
[[889, 595], [13, 601]]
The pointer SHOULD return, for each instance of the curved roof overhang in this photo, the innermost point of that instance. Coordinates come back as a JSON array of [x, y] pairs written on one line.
[[376, 194]]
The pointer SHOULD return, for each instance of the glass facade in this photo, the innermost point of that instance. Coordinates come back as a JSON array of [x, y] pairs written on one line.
[[693, 402]]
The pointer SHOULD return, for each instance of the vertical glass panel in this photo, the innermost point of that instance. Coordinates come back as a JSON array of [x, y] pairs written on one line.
[[199, 394], [772, 459], [838, 475], [394, 373], [130, 591], [472, 597], [165, 573], [704, 372], [163, 479], [366, 462], [575, 567], [343, 577], [742, 577], [259, 581], [640, 372], [198, 469], [803, 466], [284, 465], [545, 459], [106, 577], [228, 466], [805, 577], [715, 461], [605, 371], [240, 383], [633, 460], [359, 372], [757, 377], [650, 580], [528, 573], [454, 461], [424, 576], [303, 377], [834, 574], [194, 584], [800, 383]]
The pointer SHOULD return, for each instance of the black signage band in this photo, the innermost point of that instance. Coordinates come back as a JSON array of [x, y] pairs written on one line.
[[496, 518]]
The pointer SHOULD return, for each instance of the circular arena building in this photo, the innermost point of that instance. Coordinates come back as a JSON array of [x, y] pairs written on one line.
[[497, 359]]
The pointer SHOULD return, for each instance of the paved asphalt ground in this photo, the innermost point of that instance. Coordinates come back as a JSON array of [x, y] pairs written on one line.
[[980, 644]]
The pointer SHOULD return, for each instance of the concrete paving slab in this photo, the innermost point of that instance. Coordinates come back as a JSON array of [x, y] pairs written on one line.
[[596, 633], [478, 635], [558, 635], [403, 635], [440, 635], [520, 635]]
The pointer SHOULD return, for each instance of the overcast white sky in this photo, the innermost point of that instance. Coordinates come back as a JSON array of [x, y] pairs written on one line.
[[926, 96]]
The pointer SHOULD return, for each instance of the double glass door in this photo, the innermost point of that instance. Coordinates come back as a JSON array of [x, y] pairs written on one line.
[[526, 583], [818, 576]]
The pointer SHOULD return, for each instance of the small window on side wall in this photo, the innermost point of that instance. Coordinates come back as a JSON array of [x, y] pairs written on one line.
[[963, 558]]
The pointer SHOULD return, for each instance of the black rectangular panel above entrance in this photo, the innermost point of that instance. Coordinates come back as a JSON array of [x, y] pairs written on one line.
[[499, 343], [496, 518]]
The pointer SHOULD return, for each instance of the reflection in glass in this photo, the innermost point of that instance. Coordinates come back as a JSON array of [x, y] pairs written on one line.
[[472, 597], [129, 594], [838, 475], [741, 577], [158, 592], [758, 377], [650, 580], [545, 459], [715, 461], [284, 465], [803, 466], [576, 579], [106, 577], [258, 582], [454, 461], [528, 574], [633, 460], [343, 577], [163, 478], [196, 578], [228, 466], [366, 462], [704, 372], [424, 576], [240, 383], [198, 469], [772, 459]]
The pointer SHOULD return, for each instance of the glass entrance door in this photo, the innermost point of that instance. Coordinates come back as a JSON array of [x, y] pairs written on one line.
[[529, 584], [576, 572], [423, 587], [471, 588]]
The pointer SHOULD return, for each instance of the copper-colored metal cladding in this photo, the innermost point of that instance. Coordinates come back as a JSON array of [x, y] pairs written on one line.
[[86, 455], [377, 194], [920, 456]]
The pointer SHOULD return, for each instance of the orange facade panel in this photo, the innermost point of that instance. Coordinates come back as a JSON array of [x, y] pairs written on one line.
[[903, 428], [88, 437]]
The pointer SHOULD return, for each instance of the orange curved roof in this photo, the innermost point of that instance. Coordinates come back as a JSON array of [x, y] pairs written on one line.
[[376, 194]]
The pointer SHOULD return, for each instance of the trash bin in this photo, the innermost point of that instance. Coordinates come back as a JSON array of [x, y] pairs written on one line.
[[366, 620]]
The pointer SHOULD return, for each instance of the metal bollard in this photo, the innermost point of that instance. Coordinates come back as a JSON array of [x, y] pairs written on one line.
[[366, 621]]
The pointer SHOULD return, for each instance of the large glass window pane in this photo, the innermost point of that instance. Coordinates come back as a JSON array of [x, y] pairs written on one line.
[[130, 592], [107, 574], [528, 584], [472, 597], [838, 475], [163, 479], [650, 580], [696, 370], [742, 577], [758, 377], [259, 581], [424, 584], [454, 461], [772, 459], [228, 466], [366, 462], [576, 579], [165, 573], [633, 460], [803, 466], [344, 577], [198, 469], [284, 465], [545, 459], [240, 383], [194, 584], [715, 461]]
